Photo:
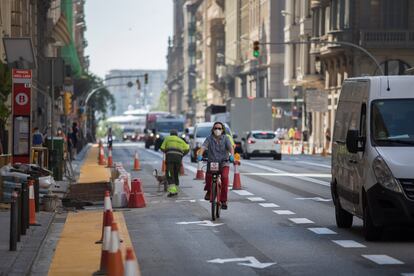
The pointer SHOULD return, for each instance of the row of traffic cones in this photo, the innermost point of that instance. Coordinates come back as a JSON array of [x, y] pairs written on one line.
[[111, 263], [102, 161]]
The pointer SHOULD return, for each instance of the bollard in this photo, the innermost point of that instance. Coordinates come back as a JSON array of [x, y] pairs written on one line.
[[24, 208], [19, 213], [13, 222]]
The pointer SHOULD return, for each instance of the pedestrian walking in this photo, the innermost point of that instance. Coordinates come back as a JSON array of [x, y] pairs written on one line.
[[174, 148], [37, 138]]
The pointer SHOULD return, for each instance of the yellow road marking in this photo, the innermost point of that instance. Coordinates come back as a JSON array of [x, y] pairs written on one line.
[[91, 171]]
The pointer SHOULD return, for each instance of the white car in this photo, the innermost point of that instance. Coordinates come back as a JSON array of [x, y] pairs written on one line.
[[201, 131], [261, 143]]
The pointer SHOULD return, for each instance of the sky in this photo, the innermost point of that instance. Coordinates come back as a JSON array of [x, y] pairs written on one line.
[[127, 34]]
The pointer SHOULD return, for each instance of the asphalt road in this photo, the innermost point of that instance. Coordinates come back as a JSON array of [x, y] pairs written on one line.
[[281, 223]]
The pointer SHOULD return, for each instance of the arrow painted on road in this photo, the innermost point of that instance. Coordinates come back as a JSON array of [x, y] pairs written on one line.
[[252, 262], [201, 222], [314, 198]]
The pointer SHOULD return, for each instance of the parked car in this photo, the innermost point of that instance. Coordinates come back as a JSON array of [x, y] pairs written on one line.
[[261, 143], [201, 132], [372, 153]]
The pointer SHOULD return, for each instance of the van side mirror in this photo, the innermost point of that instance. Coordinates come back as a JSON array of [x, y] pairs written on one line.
[[352, 140], [243, 139], [191, 136], [235, 136]]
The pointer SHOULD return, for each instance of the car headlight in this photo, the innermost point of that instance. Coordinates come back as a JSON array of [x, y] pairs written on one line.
[[183, 135], [157, 136], [152, 134], [384, 175], [125, 137]]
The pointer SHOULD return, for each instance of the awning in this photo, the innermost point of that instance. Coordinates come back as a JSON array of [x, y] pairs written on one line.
[[61, 31]]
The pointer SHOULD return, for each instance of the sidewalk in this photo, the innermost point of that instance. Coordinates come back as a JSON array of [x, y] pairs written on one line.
[[21, 261]]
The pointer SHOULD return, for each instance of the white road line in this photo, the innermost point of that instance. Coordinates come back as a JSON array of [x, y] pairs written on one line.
[[283, 212], [322, 231], [242, 192], [255, 199], [316, 181], [269, 205], [382, 259], [314, 198], [301, 220], [349, 243], [320, 175], [315, 164], [407, 274]]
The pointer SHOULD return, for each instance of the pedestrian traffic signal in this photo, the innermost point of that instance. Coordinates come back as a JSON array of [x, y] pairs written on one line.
[[256, 48], [146, 78], [67, 102]]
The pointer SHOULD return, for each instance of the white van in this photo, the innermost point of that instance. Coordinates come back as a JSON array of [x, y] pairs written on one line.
[[373, 153]]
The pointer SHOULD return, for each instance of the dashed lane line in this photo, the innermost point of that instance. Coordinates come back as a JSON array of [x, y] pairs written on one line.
[[283, 212], [349, 244], [305, 178], [322, 231], [383, 259], [242, 192], [320, 175], [269, 205], [255, 199], [301, 220]]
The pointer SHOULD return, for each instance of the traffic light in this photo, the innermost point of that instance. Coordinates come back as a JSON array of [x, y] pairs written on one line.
[[67, 98], [146, 78], [256, 48], [138, 84]]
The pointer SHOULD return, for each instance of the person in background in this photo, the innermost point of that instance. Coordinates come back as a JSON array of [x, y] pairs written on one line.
[[37, 138], [74, 139], [109, 138], [291, 133]]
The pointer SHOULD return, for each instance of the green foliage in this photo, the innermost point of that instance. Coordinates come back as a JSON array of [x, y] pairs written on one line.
[[200, 93], [102, 130], [162, 104], [5, 90]]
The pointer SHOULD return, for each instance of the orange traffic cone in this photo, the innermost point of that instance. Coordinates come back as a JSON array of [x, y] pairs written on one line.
[[110, 161], [137, 166], [131, 267], [236, 178], [101, 156], [164, 166], [136, 197], [115, 264], [105, 247], [32, 204], [200, 172], [106, 215], [182, 170]]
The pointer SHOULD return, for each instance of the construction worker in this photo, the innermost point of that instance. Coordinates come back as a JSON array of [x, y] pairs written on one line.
[[174, 148]]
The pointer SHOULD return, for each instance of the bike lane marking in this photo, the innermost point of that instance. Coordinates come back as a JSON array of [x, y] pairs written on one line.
[[322, 231], [283, 212], [269, 205], [349, 244], [383, 259], [255, 199], [246, 261]]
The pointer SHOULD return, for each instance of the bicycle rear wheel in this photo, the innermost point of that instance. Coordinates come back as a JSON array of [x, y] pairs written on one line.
[[213, 199]]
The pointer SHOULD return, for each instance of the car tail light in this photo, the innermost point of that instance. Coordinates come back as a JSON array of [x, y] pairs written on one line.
[[277, 141], [250, 141]]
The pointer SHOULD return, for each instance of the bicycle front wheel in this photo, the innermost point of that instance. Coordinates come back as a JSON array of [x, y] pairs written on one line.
[[213, 200]]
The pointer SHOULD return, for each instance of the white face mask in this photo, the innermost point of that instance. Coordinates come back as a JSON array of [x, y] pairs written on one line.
[[217, 132]]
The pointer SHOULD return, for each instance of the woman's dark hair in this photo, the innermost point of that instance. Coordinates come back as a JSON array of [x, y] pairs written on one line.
[[222, 126]]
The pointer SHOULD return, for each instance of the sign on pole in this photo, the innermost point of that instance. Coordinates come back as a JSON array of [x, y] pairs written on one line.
[[21, 112], [316, 100]]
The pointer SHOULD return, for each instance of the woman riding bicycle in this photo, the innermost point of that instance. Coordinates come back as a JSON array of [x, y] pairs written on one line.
[[219, 149]]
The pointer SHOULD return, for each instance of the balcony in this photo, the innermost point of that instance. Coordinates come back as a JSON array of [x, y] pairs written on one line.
[[387, 39]]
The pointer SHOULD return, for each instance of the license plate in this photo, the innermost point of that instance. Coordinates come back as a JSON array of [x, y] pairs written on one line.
[[214, 166]]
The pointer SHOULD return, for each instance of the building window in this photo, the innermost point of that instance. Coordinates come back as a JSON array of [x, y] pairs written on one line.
[[393, 67], [395, 14]]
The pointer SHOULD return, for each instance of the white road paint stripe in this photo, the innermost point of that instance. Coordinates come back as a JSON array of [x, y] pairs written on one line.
[[255, 199], [320, 175], [314, 198], [407, 274], [315, 164], [283, 212], [382, 259], [322, 231], [301, 220], [242, 192], [349, 243], [269, 205], [316, 181]]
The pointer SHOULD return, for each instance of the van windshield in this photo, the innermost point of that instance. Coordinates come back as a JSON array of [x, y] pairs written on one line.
[[392, 123]]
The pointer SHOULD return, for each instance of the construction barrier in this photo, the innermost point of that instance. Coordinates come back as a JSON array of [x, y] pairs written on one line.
[[294, 147]]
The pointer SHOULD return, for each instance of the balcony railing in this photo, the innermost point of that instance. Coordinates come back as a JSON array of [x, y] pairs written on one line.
[[387, 39]]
